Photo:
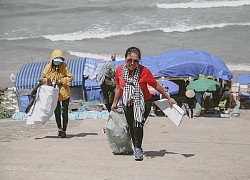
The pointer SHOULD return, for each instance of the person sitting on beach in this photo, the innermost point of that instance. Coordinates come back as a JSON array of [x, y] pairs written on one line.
[[58, 73], [226, 96], [191, 102], [132, 80]]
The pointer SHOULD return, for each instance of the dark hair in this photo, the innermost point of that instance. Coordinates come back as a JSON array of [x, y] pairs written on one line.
[[134, 50]]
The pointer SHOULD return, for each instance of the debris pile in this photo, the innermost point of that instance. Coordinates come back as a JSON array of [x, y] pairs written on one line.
[[8, 102]]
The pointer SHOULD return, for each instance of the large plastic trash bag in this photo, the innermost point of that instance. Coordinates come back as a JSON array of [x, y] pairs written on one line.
[[44, 105], [117, 133], [33, 96]]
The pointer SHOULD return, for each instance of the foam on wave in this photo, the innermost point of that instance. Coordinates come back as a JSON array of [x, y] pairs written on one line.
[[199, 27], [78, 36], [214, 4], [238, 67], [85, 35]]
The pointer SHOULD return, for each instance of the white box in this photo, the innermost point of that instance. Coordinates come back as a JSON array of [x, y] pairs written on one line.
[[174, 113]]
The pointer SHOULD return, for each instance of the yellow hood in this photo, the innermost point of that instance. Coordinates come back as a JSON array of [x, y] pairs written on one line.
[[60, 73], [56, 53]]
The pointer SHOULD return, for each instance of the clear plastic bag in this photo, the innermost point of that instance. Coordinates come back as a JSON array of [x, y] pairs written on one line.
[[117, 133]]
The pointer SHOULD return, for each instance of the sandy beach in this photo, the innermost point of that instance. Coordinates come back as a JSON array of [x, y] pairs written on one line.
[[200, 148]]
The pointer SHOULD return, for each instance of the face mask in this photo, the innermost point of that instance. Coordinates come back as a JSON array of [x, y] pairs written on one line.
[[57, 61]]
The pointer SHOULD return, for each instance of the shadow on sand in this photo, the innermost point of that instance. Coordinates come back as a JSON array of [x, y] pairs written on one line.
[[70, 135], [161, 153]]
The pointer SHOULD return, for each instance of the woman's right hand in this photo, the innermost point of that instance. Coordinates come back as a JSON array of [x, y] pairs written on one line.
[[114, 106]]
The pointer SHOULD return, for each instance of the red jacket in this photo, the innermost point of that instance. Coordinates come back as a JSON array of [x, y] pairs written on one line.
[[145, 78]]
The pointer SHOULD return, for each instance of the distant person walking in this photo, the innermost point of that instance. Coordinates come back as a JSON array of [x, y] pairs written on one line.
[[106, 78], [58, 73], [113, 56], [132, 80]]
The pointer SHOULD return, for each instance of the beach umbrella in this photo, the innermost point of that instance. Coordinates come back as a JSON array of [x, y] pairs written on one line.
[[203, 84], [172, 87]]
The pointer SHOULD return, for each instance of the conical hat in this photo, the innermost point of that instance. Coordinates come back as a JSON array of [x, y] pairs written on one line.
[[190, 93]]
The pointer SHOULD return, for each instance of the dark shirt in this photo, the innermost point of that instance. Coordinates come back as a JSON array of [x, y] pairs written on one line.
[[191, 102], [226, 95]]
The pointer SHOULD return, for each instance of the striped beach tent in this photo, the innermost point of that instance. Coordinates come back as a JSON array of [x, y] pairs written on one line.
[[30, 73], [82, 69]]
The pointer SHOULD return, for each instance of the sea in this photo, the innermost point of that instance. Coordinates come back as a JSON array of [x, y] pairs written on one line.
[[32, 29]]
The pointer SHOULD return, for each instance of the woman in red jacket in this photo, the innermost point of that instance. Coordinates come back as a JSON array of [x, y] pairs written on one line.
[[131, 84]]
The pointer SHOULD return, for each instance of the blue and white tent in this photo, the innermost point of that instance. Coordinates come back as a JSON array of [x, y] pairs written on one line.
[[81, 69]]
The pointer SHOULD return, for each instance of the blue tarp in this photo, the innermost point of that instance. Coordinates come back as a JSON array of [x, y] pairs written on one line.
[[186, 63], [243, 79], [72, 115], [192, 63], [152, 63], [92, 91]]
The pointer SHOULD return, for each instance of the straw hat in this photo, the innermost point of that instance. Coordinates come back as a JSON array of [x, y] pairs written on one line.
[[190, 93]]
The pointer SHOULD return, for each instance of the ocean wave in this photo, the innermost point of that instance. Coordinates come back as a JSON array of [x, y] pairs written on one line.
[[214, 4], [23, 5], [18, 38], [199, 27], [78, 36], [87, 35], [238, 67]]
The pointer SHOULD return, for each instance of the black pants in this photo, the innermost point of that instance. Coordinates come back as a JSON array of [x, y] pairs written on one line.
[[108, 95], [65, 106], [136, 133]]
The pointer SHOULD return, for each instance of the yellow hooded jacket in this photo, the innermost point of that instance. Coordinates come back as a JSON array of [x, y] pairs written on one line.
[[61, 73]]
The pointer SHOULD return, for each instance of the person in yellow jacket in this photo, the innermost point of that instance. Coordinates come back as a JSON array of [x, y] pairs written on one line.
[[57, 73]]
